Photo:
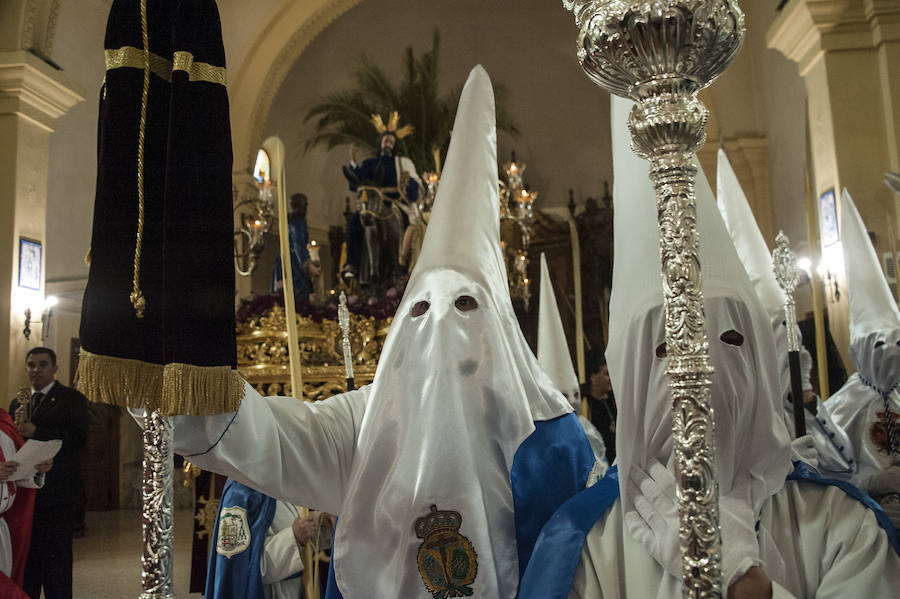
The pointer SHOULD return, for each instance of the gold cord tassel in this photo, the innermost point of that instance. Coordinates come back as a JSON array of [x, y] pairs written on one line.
[[137, 296]]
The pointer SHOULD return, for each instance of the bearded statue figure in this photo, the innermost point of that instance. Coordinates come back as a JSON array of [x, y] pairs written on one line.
[[388, 186]]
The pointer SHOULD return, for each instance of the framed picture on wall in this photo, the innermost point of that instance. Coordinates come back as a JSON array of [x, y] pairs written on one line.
[[29, 264], [828, 222]]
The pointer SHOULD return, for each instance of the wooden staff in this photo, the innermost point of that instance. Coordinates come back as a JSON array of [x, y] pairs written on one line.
[[275, 148], [812, 232]]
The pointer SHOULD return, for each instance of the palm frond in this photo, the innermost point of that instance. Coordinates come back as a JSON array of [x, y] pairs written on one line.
[[344, 117]]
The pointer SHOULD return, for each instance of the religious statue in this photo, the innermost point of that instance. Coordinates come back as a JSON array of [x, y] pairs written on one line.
[[388, 188]]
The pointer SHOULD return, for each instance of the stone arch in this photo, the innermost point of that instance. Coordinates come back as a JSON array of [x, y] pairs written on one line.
[[293, 27]]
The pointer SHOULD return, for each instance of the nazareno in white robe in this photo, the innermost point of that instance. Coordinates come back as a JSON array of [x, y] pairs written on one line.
[[822, 543]]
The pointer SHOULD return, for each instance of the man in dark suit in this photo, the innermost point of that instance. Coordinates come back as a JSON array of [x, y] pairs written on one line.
[[52, 411]]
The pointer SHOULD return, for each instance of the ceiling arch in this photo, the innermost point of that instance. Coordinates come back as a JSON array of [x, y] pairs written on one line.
[[290, 31]]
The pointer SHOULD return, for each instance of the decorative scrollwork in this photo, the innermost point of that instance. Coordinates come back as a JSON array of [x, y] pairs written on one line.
[[262, 346], [156, 511], [787, 273]]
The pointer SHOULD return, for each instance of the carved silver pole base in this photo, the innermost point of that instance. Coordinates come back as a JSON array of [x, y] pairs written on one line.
[[156, 511]]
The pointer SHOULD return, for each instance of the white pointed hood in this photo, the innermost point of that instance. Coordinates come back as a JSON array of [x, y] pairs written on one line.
[[874, 317], [752, 444], [747, 238], [553, 351], [456, 391], [754, 253]]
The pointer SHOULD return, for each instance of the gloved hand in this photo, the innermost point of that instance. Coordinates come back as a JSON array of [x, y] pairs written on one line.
[[654, 521], [885, 482], [654, 524], [803, 449]]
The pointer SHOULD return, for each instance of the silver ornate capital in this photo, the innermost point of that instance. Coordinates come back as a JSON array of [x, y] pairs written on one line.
[[787, 273], [156, 511], [660, 53]]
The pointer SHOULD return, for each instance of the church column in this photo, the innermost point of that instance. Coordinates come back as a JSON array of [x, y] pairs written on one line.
[[32, 96], [848, 54]]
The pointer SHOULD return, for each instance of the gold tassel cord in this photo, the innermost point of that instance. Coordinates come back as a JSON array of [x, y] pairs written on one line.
[[137, 296], [170, 389]]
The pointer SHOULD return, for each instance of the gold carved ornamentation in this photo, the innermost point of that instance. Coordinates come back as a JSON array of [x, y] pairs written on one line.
[[262, 348]]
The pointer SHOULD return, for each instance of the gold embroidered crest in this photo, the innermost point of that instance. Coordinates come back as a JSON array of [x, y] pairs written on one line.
[[447, 560]]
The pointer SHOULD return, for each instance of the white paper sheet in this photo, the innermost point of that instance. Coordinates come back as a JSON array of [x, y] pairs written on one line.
[[33, 453]]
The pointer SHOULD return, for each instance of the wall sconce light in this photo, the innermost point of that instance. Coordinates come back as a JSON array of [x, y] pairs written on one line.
[[46, 310]]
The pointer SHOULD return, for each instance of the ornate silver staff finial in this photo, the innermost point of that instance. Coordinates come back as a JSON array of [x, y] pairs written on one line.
[[344, 322], [787, 273], [661, 53]]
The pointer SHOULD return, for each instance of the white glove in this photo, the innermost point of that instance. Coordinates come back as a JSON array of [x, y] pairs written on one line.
[[654, 524], [803, 449], [885, 482]]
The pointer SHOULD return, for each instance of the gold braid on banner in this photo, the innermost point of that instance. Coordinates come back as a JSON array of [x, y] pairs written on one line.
[[133, 58]]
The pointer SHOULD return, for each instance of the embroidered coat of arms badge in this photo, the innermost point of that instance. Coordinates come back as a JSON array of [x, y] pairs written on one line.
[[234, 531], [447, 560]]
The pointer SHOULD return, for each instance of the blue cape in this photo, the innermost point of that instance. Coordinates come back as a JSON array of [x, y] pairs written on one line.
[[244, 518]]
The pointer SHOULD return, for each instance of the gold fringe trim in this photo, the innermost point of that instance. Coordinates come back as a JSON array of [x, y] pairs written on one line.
[[170, 389], [200, 390]]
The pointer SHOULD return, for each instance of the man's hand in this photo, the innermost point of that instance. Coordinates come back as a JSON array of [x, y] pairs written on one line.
[[304, 528], [44, 466], [600, 383], [26, 428], [7, 469], [754, 584]]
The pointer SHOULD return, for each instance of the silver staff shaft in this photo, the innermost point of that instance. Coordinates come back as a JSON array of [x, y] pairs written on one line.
[[784, 264], [344, 321], [661, 54], [156, 514]]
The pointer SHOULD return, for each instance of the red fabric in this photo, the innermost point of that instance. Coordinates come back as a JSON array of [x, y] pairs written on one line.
[[18, 517], [9, 589]]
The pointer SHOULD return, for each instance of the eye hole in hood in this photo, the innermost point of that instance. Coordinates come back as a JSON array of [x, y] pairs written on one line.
[[465, 303], [732, 337], [419, 308]]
